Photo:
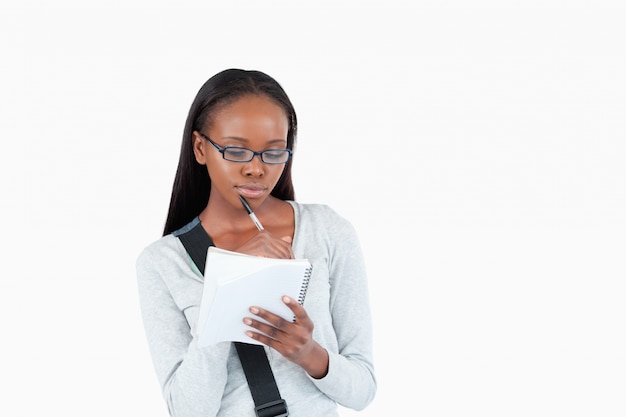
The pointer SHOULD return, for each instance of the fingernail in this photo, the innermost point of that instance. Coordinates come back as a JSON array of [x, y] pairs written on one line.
[[254, 310]]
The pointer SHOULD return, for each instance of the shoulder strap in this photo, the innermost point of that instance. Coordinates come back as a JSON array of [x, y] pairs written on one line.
[[256, 367]]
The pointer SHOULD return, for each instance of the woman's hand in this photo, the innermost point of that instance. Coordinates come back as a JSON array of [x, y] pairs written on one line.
[[292, 340], [265, 244]]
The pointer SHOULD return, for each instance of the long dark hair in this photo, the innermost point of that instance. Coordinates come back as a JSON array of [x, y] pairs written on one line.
[[192, 185]]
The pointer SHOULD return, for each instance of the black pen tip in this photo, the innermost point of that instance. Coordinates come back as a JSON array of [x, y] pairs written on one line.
[[245, 204]]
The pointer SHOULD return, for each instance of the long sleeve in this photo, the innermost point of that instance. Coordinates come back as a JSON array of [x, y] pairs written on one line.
[[333, 245], [192, 379]]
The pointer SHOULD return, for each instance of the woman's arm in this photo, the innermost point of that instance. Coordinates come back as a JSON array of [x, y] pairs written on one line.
[[347, 334], [192, 379]]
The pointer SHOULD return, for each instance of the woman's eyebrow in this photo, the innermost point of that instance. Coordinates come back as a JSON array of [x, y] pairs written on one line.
[[237, 138]]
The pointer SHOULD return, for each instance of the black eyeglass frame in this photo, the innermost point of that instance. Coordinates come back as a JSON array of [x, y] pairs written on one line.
[[222, 149]]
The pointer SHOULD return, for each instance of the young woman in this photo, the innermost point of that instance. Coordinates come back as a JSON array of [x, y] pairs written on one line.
[[238, 141]]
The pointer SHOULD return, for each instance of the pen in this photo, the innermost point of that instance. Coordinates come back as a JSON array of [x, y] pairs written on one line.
[[256, 221]]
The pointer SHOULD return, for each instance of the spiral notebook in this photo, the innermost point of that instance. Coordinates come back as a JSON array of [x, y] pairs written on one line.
[[233, 282]]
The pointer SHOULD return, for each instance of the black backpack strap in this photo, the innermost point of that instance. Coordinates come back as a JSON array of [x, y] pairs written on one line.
[[256, 367], [261, 381]]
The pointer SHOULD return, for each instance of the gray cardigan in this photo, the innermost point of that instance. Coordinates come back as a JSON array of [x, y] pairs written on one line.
[[209, 381]]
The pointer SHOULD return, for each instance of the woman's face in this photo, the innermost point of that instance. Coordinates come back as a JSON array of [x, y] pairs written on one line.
[[253, 122]]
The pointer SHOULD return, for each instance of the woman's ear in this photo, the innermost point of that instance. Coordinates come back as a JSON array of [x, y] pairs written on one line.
[[199, 147]]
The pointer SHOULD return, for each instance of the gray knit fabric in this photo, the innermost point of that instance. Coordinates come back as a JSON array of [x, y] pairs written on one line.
[[209, 381]]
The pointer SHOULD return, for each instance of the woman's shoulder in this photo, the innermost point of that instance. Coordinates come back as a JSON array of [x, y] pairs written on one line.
[[167, 244], [158, 248], [315, 210], [321, 216]]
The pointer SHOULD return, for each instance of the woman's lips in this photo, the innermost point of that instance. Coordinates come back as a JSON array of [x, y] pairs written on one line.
[[251, 191]]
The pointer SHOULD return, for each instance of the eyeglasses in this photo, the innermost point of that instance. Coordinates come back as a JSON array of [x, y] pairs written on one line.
[[238, 154]]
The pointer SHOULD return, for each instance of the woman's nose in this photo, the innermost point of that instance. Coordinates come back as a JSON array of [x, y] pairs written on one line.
[[254, 168]]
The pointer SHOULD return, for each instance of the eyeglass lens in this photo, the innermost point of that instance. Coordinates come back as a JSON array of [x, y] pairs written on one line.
[[270, 156]]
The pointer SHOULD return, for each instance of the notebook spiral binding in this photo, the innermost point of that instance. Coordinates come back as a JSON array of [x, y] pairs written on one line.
[[305, 285], [304, 288]]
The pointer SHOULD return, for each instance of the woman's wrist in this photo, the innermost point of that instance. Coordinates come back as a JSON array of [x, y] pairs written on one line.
[[316, 364]]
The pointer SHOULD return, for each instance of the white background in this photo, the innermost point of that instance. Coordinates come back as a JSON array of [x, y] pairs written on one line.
[[478, 148]]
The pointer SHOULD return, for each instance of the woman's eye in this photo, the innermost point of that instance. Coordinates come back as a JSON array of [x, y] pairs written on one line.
[[237, 153]]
